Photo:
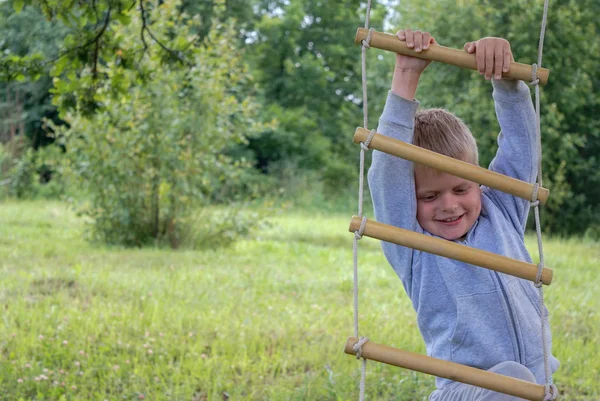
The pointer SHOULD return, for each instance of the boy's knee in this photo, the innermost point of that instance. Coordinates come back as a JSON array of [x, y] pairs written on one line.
[[514, 369]]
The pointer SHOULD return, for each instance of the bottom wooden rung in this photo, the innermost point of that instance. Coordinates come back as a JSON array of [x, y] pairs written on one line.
[[448, 370]]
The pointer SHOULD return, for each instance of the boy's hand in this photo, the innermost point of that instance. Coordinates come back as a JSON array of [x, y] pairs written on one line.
[[493, 56], [418, 41]]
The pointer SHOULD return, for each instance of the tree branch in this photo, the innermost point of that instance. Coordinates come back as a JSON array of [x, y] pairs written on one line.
[[39, 65], [177, 54], [143, 14], [95, 67], [132, 5], [85, 45], [95, 9]]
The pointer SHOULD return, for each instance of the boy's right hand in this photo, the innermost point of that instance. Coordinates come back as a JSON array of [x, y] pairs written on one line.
[[418, 41]]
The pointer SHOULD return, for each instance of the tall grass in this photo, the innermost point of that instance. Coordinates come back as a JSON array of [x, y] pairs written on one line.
[[265, 319]]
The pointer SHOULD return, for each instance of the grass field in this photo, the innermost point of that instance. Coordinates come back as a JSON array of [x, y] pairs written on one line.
[[265, 319]]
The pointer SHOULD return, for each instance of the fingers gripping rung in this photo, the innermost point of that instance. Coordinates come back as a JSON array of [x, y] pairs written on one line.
[[459, 58], [448, 370], [452, 250], [451, 166]]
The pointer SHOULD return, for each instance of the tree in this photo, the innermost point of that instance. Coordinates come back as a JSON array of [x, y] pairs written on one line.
[[309, 73], [154, 146], [25, 101], [89, 43], [570, 130]]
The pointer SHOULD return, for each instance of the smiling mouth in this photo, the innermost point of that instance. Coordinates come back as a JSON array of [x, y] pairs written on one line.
[[451, 220]]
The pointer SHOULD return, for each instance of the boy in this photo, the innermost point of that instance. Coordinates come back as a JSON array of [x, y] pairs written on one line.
[[466, 314]]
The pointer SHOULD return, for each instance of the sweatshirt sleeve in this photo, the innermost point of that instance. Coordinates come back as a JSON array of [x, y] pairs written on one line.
[[517, 154], [391, 182]]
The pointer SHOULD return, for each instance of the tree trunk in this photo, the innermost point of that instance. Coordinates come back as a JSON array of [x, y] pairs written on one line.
[[155, 206], [172, 227], [19, 110]]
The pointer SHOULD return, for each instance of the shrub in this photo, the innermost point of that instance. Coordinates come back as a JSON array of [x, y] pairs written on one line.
[[152, 153]]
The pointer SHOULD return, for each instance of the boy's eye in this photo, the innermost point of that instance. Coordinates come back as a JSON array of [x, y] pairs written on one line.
[[461, 190], [428, 198]]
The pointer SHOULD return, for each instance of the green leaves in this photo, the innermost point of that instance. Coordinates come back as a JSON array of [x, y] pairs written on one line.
[[18, 5], [305, 70], [154, 146], [569, 103], [123, 17]]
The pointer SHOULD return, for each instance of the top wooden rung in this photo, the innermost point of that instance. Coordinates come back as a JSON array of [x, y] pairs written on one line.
[[460, 58]]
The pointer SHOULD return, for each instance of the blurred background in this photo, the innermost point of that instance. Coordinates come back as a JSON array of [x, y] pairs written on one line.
[[177, 177], [146, 110]]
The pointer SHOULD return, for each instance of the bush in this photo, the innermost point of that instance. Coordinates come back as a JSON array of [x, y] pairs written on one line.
[[4, 179], [14, 175], [215, 227], [26, 173], [152, 153]]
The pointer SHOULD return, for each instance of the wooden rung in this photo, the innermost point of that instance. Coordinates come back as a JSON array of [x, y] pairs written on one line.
[[459, 58], [452, 250], [448, 370], [451, 166]]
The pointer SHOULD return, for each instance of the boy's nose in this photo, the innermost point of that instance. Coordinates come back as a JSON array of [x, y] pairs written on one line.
[[449, 202]]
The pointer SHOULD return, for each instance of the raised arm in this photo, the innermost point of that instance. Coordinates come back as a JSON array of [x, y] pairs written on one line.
[[391, 179], [517, 154], [392, 185]]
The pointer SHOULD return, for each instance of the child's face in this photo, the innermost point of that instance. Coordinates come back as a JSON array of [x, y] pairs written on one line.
[[447, 206]]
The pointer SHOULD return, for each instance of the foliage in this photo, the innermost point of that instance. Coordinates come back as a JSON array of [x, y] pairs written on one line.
[[570, 129], [4, 181], [23, 176], [29, 174], [308, 78], [27, 35], [219, 227], [154, 147], [309, 72], [89, 43], [17, 171]]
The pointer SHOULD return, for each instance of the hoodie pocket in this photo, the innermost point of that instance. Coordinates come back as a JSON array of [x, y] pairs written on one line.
[[482, 336]]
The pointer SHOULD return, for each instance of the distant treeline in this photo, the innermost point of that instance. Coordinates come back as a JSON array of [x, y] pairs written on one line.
[[299, 73]]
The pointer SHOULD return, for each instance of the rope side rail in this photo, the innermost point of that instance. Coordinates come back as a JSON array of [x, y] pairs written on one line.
[[448, 370], [361, 176], [480, 175], [452, 250], [459, 58]]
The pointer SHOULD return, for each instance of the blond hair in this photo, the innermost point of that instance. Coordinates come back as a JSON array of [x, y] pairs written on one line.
[[440, 131]]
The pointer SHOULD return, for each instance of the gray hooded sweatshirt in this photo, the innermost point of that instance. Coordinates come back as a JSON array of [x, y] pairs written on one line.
[[468, 314]]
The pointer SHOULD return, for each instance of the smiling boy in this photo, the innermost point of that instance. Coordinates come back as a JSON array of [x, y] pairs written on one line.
[[466, 314], [447, 206]]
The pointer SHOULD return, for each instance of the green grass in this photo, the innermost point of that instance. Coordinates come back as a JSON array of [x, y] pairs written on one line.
[[265, 319]]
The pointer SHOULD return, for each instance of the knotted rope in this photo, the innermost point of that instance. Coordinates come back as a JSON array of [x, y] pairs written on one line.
[[551, 390], [364, 146]]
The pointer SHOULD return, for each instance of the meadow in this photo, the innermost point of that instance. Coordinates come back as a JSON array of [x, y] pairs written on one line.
[[263, 319]]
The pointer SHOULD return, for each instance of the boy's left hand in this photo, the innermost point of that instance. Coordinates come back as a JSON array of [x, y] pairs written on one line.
[[493, 56]]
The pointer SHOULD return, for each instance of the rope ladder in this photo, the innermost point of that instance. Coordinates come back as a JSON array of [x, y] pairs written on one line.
[[362, 347]]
